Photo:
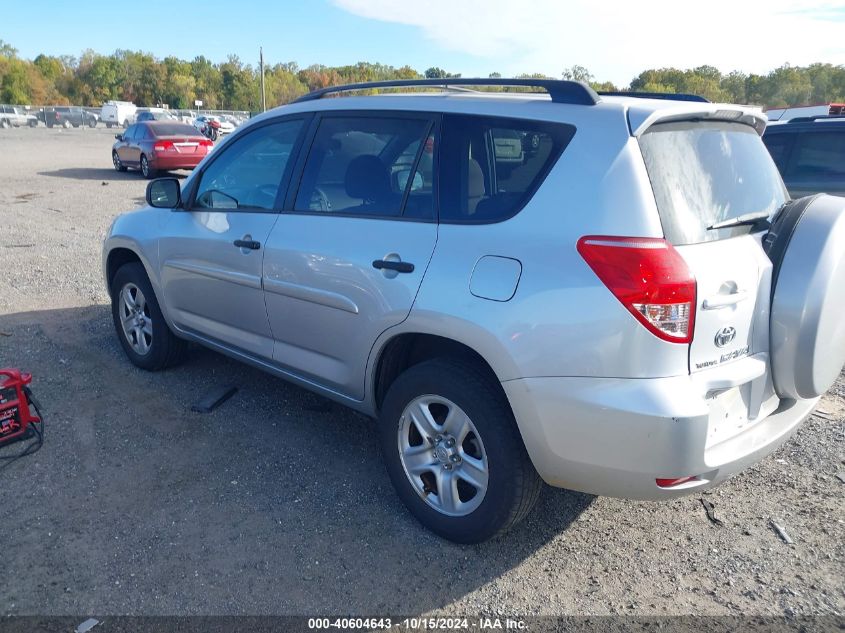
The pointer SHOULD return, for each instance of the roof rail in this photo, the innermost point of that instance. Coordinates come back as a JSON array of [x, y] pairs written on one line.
[[573, 92], [815, 117], [669, 96]]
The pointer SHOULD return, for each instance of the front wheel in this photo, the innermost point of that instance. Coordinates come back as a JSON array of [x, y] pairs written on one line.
[[4, 123], [146, 170], [92, 123], [118, 165], [139, 323], [33, 124], [454, 453]]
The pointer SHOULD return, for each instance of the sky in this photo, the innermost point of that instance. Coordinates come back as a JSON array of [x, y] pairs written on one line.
[[614, 40]]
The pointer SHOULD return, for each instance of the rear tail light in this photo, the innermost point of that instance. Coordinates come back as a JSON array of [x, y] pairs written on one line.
[[163, 146], [206, 143], [650, 278]]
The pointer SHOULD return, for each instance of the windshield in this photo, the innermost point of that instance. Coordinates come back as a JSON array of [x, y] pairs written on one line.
[[703, 173]]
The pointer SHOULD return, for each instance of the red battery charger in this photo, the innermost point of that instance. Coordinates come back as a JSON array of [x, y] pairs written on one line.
[[15, 398]]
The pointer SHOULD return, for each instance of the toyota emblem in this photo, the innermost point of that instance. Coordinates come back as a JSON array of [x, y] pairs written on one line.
[[725, 336]]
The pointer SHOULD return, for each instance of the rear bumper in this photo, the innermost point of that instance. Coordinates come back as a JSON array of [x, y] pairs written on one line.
[[175, 162], [615, 437]]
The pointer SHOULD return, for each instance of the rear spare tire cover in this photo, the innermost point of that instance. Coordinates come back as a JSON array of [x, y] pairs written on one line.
[[807, 323]]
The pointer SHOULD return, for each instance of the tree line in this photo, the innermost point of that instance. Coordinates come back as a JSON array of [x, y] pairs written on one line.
[[144, 79]]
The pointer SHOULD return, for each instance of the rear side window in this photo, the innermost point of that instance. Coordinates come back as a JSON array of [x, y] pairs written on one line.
[[369, 166], [779, 146], [491, 166], [818, 156], [708, 172]]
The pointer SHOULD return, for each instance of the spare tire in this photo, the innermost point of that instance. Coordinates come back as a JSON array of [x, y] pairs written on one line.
[[806, 244]]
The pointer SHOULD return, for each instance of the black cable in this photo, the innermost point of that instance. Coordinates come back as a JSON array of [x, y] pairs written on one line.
[[33, 446]]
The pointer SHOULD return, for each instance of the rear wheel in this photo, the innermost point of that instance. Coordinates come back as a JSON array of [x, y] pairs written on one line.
[[146, 168], [4, 123], [139, 323], [454, 453], [92, 123], [33, 124]]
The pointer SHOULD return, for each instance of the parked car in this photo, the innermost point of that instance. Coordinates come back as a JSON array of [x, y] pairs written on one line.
[[810, 154], [15, 116], [69, 116], [153, 146], [153, 114], [118, 113], [611, 314], [224, 126]]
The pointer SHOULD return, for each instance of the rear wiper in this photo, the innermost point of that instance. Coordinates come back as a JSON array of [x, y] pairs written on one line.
[[748, 218]]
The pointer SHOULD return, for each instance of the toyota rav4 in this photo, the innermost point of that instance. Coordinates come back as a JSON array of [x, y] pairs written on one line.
[[606, 293]]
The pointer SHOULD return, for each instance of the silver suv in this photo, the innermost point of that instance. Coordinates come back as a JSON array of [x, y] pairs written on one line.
[[608, 294]]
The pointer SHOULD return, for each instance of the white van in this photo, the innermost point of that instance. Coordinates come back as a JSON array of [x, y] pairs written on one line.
[[120, 113]]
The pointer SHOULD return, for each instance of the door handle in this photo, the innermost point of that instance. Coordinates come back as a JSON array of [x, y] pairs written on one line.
[[399, 267], [723, 301], [250, 244]]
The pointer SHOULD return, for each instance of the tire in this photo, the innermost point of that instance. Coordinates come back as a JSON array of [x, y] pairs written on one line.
[[125, 124], [50, 125], [66, 125], [148, 341], [92, 123], [489, 450], [115, 159], [146, 170], [4, 123], [108, 124], [33, 123]]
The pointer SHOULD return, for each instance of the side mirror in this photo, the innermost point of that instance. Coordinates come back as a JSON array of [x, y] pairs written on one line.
[[402, 180], [119, 137], [164, 193]]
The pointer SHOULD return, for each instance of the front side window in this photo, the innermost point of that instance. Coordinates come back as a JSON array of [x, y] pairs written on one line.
[[491, 166], [370, 167], [249, 173], [818, 156]]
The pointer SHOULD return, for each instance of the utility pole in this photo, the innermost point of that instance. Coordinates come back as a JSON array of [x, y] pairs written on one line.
[[263, 95]]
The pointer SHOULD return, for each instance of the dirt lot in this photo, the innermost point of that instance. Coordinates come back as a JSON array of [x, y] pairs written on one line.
[[278, 502]]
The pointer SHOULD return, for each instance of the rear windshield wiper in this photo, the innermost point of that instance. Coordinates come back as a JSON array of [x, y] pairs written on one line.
[[742, 220]]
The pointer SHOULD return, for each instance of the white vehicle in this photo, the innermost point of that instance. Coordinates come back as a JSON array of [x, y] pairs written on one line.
[[118, 113], [14, 116]]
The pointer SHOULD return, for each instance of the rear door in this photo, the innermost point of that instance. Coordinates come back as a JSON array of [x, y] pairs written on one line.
[[346, 258], [702, 174]]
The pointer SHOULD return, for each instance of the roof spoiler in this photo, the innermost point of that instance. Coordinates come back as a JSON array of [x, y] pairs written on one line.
[[640, 119], [561, 91]]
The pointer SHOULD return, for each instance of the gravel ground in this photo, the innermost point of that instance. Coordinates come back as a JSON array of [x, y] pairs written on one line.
[[278, 502]]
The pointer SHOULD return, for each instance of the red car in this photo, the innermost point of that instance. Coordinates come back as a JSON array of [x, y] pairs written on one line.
[[154, 146]]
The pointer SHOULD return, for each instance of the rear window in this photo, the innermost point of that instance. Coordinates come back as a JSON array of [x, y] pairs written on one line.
[[707, 172], [491, 166], [174, 129]]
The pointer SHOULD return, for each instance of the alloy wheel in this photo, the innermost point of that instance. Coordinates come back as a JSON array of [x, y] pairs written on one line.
[[442, 455], [135, 319]]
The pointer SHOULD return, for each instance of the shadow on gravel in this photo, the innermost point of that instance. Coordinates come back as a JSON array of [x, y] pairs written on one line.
[[275, 503], [97, 173]]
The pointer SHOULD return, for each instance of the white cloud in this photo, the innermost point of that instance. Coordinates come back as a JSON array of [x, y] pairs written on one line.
[[616, 40]]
